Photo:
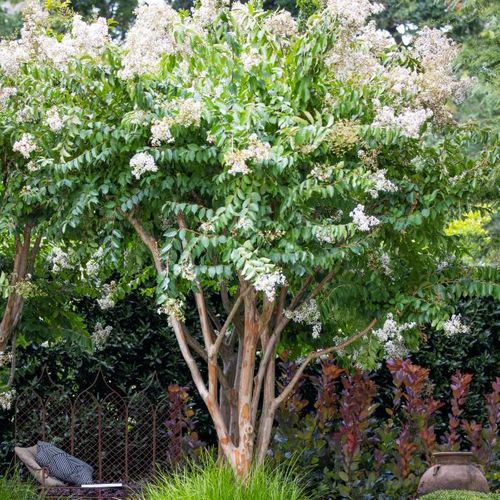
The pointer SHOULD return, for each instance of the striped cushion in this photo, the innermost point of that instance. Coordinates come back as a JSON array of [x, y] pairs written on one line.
[[62, 465]]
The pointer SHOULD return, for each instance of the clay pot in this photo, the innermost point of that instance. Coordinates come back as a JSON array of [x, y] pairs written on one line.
[[453, 471]]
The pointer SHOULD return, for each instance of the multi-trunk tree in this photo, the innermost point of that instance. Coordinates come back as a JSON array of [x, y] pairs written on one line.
[[300, 178]]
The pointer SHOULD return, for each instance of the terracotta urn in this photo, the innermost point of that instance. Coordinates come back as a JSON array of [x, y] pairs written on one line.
[[453, 471]]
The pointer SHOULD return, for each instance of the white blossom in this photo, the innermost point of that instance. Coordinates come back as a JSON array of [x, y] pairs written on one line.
[[26, 145], [207, 11], [60, 260], [32, 166], [100, 336], [409, 121], [141, 163], [385, 263], [455, 325], [206, 227], [187, 271], [391, 339], [363, 221], [308, 314], [5, 94], [353, 12], [160, 132], [54, 120], [282, 24], [381, 183], [269, 283], [6, 399], [107, 301], [189, 112], [151, 37], [257, 151], [251, 59], [173, 308]]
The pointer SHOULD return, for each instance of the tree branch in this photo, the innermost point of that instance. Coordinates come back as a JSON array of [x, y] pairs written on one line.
[[316, 354], [220, 338], [147, 239]]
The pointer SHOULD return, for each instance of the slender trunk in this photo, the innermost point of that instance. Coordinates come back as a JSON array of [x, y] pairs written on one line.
[[244, 452], [23, 263], [268, 411]]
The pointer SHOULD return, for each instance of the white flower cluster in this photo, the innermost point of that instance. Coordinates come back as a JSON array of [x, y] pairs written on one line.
[[322, 173], [83, 40], [381, 183], [106, 301], [187, 271], [244, 223], [188, 113], [307, 314], [353, 12], [32, 166], [142, 163], [6, 399], [402, 81], [391, 339], [5, 94], [251, 59], [100, 336], [25, 146], [174, 308], [385, 263], [54, 120], [160, 132], [282, 24], [60, 260], [437, 83], [5, 358], [206, 13], [356, 55], [269, 283], [151, 37], [455, 325], [206, 227], [375, 40], [92, 267], [323, 235], [363, 221], [409, 121], [257, 151]]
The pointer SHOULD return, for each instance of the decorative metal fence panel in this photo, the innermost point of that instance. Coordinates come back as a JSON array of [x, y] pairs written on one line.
[[125, 438]]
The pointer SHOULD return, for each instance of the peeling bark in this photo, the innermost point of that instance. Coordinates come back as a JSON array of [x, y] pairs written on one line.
[[243, 425], [23, 265]]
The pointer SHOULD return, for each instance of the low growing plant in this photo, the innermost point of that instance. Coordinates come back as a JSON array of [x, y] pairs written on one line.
[[210, 480]]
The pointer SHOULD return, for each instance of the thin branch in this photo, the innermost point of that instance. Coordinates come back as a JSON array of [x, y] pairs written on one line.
[[180, 334], [220, 338], [212, 406], [198, 348], [316, 354], [147, 239]]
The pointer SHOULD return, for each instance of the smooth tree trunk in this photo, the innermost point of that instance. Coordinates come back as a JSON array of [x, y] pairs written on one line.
[[240, 390], [23, 265]]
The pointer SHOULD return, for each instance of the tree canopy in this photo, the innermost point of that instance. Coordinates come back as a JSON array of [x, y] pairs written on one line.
[[255, 159]]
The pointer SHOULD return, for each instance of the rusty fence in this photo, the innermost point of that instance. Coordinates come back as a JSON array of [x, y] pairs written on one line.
[[125, 437]]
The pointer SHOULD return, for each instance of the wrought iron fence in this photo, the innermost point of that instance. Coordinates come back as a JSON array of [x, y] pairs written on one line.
[[125, 437]]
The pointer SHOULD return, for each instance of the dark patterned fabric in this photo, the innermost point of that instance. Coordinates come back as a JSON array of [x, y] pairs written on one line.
[[62, 465]]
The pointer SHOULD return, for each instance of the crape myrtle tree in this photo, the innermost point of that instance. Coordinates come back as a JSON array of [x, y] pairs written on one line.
[[301, 179]]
